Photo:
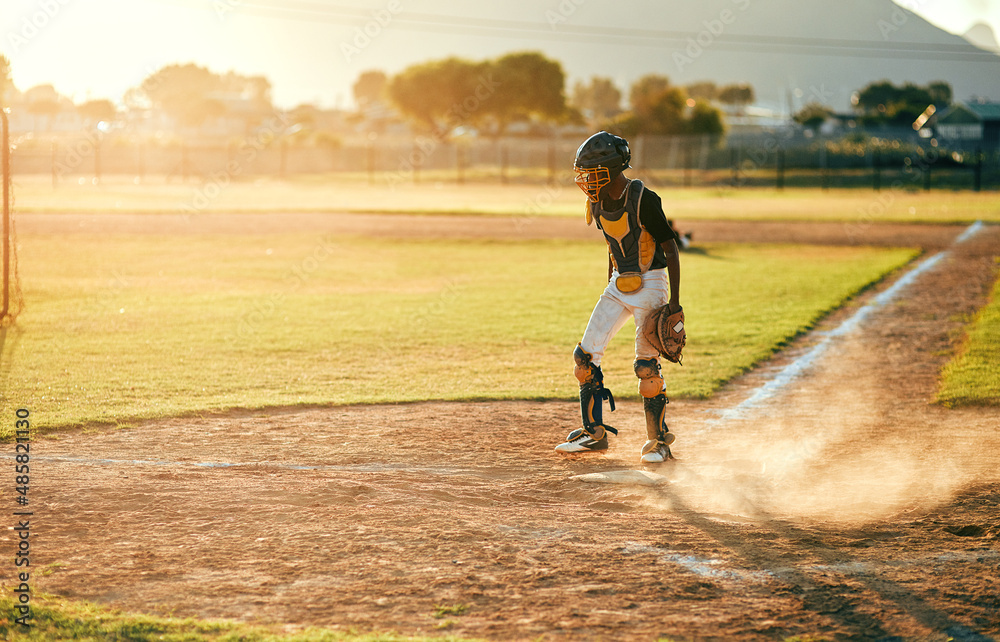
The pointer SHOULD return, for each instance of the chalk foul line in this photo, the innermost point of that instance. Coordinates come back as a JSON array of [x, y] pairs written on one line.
[[795, 369]]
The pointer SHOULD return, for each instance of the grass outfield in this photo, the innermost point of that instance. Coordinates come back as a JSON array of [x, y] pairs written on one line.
[[122, 328], [355, 193], [973, 377], [55, 618]]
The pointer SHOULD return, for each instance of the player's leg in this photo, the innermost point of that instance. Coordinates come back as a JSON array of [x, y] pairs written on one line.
[[647, 368], [607, 319], [654, 404]]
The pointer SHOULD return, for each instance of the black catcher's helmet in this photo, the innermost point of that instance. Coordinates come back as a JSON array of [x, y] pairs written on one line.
[[599, 159]]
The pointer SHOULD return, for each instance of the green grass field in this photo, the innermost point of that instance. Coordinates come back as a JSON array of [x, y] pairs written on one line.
[[973, 377], [56, 618], [120, 328], [359, 193]]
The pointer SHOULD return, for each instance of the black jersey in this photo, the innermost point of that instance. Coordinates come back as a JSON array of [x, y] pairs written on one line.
[[634, 226]]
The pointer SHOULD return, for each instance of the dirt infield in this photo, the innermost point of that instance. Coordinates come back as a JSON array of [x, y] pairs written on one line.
[[846, 506]]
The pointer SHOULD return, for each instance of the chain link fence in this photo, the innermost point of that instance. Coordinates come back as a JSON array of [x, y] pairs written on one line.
[[778, 159]]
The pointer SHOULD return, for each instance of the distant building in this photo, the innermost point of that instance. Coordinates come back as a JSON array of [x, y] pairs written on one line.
[[43, 110], [970, 124]]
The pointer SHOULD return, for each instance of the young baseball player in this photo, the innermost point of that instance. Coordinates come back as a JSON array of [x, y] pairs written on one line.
[[642, 261]]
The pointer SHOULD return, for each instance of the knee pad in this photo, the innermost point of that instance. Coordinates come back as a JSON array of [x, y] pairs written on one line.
[[650, 381], [585, 371]]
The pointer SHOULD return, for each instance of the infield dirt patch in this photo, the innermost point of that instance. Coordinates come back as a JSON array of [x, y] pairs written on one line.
[[847, 507]]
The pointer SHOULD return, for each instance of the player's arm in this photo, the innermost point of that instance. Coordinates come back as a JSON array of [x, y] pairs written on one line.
[[654, 220], [611, 267], [672, 255]]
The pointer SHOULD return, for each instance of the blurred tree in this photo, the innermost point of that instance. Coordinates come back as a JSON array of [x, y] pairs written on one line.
[[304, 115], [704, 119], [941, 93], [884, 103], [185, 92], [522, 86], [5, 82], [661, 109], [46, 108], [740, 94], [94, 111], [248, 96], [432, 93], [812, 115], [191, 94], [876, 97], [598, 99], [657, 108], [647, 91], [370, 88], [703, 90]]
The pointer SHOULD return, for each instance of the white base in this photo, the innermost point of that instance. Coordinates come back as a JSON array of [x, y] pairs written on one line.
[[623, 477]]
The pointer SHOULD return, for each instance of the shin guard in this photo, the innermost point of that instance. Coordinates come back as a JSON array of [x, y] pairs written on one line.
[[654, 405], [592, 394], [656, 422]]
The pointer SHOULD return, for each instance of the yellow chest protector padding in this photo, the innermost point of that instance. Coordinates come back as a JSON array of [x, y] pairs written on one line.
[[632, 248]]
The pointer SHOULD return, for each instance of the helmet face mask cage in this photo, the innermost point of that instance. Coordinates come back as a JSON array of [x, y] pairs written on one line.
[[599, 160], [592, 180]]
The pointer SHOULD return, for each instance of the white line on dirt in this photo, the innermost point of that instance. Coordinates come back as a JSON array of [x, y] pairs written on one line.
[[795, 369]]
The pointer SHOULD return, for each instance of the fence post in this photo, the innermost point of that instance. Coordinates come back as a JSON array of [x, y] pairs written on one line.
[[5, 177], [734, 159], [282, 158], [55, 174], [97, 160], [978, 183], [417, 159], [672, 153], [370, 162], [687, 163], [460, 163], [503, 163], [824, 163], [781, 168], [927, 177], [877, 170], [552, 163]]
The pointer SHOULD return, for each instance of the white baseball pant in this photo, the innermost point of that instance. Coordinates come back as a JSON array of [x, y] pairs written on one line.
[[615, 307]]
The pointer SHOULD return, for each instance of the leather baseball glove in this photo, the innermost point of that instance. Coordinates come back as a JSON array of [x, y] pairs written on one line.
[[666, 331]]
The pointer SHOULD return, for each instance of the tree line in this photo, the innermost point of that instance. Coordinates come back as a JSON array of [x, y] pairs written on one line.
[[449, 95], [528, 88], [884, 103]]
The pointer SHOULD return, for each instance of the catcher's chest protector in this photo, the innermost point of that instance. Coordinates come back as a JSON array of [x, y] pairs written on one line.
[[632, 247]]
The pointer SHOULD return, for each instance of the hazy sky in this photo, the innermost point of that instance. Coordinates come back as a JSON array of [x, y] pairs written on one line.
[[311, 50]]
